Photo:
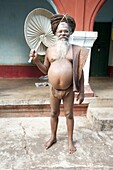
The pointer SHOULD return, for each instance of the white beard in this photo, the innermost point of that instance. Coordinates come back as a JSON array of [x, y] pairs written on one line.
[[62, 48]]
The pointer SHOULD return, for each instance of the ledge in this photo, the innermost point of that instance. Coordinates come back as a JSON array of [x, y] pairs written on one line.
[[83, 38]]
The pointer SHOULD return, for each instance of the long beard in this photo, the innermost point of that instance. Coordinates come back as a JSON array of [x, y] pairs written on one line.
[[62, 48]]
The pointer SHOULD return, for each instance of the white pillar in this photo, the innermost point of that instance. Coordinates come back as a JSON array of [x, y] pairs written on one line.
[[85, 39]]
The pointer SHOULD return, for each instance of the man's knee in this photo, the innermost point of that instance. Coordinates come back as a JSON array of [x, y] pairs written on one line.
[[69, 115], [54, 114]]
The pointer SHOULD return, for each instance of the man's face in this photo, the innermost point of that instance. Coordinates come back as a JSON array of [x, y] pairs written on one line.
[[62, 31]]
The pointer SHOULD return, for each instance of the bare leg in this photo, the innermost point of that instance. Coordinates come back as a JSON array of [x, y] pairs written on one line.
[[68, 107], [70, 125], [52, 140], [55, 111]]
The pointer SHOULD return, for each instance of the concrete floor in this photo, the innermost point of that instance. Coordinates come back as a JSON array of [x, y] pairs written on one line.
[[25, 91], [22, 91], [22, 139], [102, 86]]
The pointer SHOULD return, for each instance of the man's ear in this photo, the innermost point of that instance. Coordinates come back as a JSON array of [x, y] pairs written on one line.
[[71, 33], [70, 30]]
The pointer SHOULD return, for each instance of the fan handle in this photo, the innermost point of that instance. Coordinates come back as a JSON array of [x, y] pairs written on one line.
[[30, 59]]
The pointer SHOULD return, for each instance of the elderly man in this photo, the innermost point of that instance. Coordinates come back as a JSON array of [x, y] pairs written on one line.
[[63, 63]]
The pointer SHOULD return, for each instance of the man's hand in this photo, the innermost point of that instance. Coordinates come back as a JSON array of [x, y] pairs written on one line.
[[33, 55], [80, 97]]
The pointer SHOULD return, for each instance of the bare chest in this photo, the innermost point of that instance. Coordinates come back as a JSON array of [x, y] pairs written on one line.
[[54, 56]]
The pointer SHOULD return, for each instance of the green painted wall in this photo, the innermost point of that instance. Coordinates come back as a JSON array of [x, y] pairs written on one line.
[[105, 14], [13, 47]]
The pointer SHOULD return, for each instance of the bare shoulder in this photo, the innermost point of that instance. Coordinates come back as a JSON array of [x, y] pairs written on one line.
[[51, 50]]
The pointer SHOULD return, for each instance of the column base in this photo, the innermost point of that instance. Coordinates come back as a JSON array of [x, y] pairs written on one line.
[[88, 91]]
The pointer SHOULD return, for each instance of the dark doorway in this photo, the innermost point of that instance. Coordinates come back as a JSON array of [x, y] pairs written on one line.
[[100, 50]]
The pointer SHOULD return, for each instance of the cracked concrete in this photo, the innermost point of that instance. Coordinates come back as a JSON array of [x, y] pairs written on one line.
[[22, 139]]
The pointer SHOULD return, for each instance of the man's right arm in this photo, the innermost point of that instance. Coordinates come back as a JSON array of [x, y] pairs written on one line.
[[42, 67]]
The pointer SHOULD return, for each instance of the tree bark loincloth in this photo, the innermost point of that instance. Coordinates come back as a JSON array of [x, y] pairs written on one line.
[[59, 93]]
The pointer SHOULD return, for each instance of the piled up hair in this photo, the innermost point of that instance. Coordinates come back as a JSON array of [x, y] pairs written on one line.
[[57, 18]]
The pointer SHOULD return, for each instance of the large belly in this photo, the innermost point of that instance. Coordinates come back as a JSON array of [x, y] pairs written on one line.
[[60, 74]]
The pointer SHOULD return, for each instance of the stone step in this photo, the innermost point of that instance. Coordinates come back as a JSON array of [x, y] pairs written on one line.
[[99, 102], [36, 109], [101, 118]]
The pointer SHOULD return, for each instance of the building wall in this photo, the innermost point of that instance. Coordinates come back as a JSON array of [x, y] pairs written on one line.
[[13, 48], [105, 14], [84, 11]]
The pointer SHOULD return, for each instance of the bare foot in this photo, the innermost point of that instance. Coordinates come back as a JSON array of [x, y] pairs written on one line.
[[72, 148], [50, 142]]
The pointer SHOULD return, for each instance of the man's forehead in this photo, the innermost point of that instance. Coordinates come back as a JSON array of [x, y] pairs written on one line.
[[63, 25]]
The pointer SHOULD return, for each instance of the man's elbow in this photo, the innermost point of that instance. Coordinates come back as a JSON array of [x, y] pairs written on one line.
[[45, 71]]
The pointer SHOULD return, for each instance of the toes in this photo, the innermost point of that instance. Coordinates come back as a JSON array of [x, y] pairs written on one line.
[[50, 143], [72, 150]]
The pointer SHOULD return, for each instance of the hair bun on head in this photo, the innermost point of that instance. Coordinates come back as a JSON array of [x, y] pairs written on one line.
[[57, 18]]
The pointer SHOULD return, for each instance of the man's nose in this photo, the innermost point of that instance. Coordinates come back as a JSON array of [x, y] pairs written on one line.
[[63, 33]]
